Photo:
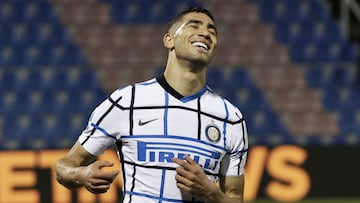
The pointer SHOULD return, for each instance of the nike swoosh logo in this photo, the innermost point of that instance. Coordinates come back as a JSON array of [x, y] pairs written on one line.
[[141, 123]]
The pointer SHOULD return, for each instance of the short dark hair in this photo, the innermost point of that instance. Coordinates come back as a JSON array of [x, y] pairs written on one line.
[[192, 9]]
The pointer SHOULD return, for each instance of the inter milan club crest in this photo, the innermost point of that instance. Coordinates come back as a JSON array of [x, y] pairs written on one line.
[[212, 132]]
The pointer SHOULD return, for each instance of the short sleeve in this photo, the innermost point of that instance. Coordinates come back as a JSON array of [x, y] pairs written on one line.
[[234, 161], [102, 130]]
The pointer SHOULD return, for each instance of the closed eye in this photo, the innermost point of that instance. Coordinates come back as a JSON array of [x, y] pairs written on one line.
[[213, 32], [196, 23], [194, 26], [212, 29]]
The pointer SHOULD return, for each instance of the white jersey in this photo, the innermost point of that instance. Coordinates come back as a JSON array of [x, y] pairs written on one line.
[[151, 123]]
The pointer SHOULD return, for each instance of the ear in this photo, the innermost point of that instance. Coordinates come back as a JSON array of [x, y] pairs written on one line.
[[168, 41]]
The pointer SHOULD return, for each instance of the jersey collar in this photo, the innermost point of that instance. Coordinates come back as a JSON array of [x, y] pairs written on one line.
[[164, 84]]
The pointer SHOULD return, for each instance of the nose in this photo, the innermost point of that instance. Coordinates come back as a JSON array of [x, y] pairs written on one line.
[[205, 34]]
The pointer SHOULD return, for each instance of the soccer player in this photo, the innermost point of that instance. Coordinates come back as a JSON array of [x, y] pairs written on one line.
[[177, 140]]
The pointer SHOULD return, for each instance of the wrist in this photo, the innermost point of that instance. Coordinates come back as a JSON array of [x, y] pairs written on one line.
[[74, 178], [78, 176], [214, 195]]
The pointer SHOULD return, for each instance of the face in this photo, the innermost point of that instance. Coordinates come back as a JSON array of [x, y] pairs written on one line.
[[193, 38]]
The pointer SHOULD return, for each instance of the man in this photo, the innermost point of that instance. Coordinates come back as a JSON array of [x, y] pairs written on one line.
[[177, 140]]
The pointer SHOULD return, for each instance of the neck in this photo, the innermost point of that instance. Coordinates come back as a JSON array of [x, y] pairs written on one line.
[[185, 79]]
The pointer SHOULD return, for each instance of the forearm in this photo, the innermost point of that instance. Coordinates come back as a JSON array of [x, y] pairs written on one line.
[[217, 196], [68, 174], [229, 190]]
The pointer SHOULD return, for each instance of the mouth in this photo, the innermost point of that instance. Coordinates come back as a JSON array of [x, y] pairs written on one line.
[[203, 46]]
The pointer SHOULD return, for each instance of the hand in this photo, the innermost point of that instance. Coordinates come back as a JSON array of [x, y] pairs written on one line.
[[94, 179], [191, 178]]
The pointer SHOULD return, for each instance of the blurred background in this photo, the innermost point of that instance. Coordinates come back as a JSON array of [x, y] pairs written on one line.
[[291, 66]]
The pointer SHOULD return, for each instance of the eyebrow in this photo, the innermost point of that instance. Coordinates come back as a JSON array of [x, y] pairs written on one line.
[[211, 26]]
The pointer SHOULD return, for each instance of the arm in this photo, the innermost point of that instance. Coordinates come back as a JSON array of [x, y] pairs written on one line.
[[79, 168], [192, 178], [233, 187]]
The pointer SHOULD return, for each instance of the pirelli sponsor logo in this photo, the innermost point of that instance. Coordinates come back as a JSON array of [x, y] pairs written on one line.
[[164, 152]]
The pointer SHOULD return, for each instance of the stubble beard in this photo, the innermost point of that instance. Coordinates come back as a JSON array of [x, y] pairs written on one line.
[[195, 61]]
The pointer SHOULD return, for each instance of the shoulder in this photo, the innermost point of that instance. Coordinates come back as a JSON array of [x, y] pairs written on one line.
[[127, 92], [234, 112], [224, 107]]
